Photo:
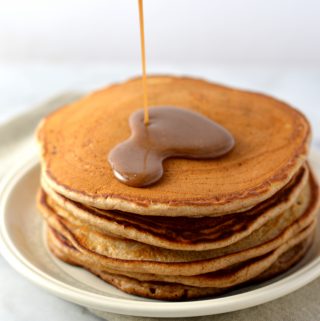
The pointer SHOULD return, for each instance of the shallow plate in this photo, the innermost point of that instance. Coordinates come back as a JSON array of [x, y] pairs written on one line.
[[23, 244]]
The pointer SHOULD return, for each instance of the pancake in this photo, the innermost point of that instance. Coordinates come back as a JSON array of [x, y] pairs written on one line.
[[131, 256], [76, 140], [207, 226], [226, 277], [173, 291], [183, 233]]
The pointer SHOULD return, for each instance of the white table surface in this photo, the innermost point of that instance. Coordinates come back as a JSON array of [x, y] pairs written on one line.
[[24, 85]]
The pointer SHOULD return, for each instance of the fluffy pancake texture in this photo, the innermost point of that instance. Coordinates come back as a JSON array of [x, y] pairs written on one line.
[[182, 232], [161, 273], [167, 290], [128, 255], [208, 226]]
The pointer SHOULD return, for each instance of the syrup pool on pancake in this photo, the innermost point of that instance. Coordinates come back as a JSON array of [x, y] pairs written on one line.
[[171, 132]]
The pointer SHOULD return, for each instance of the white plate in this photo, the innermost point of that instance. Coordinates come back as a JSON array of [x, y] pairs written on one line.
[[22, 244]]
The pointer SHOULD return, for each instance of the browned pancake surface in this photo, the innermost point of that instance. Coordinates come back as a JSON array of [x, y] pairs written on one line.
[[271, 144]]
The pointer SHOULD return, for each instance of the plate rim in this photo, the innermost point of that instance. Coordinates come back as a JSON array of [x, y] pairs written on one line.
[[106, 303]]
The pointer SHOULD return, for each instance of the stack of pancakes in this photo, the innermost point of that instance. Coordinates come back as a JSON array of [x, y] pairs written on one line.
[[208, 226]]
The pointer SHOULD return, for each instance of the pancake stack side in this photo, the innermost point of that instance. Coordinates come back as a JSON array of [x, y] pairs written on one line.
[[208, 226]]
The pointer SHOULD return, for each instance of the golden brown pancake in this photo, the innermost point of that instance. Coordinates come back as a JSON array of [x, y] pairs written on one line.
[[175, 291], [208, 226], [128, 256], [271, 145], [184, 233]]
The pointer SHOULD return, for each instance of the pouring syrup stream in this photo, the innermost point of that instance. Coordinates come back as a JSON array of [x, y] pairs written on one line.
[[143, 60]]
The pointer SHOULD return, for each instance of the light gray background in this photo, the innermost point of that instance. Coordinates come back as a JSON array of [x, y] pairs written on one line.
[[189, 31]]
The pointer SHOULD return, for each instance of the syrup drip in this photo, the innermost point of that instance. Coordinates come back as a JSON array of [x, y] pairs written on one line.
[[171, 132], [143, 64]]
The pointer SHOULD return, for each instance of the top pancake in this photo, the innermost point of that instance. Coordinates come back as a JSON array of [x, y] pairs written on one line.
[[271, 145]]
